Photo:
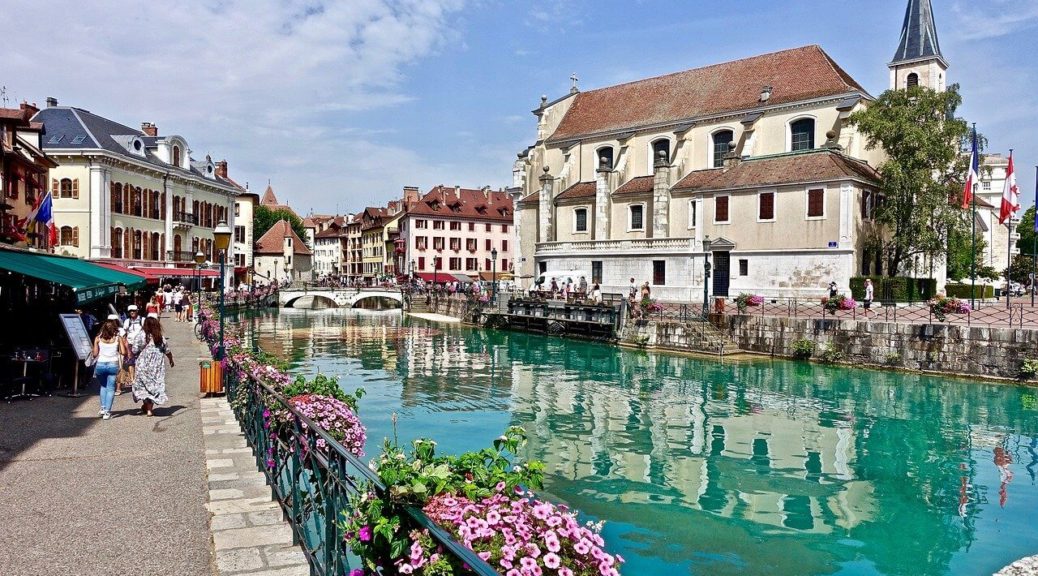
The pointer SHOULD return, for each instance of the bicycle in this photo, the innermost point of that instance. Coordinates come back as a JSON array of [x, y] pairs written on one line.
[[198, 327]]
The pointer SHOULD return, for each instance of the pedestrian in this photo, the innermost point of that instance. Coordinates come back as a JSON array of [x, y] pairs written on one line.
[[554, 288], [632, 291], [869, 294], [178, 304], [646, 291], [596, 294], [149, 382], [189, 312], [832, 290], [108, 348], [582, 287]]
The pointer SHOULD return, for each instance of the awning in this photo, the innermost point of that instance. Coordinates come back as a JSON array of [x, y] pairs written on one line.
[[461, 277], [131, 281], [142, 277], [87, 286], [159, 273], [438, 277], [489, 276]]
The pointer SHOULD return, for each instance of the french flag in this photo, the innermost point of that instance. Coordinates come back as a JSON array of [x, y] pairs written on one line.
[[972, 178], [45, 213]]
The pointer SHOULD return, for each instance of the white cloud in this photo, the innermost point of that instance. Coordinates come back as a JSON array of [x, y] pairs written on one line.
[[993, 19], [259, 82]]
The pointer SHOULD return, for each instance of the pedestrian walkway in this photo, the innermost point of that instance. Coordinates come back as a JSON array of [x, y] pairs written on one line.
[[88, 496]]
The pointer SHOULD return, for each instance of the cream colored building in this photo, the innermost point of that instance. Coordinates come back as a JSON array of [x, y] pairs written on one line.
[[755, 155], [244, 240], [998, 252], [131, 196]]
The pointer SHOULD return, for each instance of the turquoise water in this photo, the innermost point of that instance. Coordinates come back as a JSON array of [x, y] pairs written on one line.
[[702, 467]]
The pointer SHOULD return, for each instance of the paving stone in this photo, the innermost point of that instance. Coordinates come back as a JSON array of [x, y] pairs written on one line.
[[252, 537], [303, 570], [241, 506], [284, 556], [265, 517], [238, 560], [221, 477], [219, 463], [225, 494], [227, 521]]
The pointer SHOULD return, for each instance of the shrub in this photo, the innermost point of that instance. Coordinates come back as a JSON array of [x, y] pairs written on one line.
[[803, 349], [1029, 369], [965, 291], [940, 307], [893, 359], [743, 300], [830, 354]]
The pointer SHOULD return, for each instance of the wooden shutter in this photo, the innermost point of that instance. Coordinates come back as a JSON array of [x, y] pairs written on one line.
[[75, 189], [55, 188], [766, 209], [75, 236], [721, 209], [816, 203]]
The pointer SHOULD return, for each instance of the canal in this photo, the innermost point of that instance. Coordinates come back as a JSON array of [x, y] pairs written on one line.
[[702, 467]]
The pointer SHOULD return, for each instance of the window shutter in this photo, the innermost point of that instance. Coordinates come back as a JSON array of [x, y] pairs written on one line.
[[721, 209], [816, 203], [75, 189], [55, 187], [75, 236], [767, 206]]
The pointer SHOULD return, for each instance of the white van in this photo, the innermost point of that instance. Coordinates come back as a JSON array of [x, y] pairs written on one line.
[[543, 281]]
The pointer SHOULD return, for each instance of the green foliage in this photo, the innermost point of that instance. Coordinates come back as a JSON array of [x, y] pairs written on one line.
[[893, 359], [803, 349], [742, 301], [830, 354], [960, 256], [922, 138], [964, 291], [1026, 243], [1029, 368], [263, 219], [322, 385], [379, 526], [1020, 269], [895, 289]]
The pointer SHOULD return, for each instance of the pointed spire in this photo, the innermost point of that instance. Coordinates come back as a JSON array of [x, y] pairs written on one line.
[[269, 199], [918, 34]]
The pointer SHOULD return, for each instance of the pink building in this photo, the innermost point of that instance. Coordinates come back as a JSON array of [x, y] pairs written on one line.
[[453, 233]]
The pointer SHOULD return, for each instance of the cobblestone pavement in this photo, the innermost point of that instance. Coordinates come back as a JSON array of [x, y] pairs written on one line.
[[88, 496]]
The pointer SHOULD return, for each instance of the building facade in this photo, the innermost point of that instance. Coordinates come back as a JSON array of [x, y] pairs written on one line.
[[131, 196], [244, 239], [282, 256], [454, 231], [750, 164], [24, 176]]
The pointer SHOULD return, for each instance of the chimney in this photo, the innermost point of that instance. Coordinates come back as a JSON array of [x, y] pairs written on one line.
[[51, 102], [29, 110], [221, 169], [149, 129], [457, 191], [410, 194]]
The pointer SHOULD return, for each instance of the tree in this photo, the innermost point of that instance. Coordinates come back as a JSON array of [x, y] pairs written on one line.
[[960, 256], [1027, 233], [1021, 268], [923, 139], [263, 219]]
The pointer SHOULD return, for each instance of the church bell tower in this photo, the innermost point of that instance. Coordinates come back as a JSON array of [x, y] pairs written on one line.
[[918, 60]]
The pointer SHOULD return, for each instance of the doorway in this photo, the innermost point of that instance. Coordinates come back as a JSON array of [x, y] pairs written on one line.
[[722, 268]]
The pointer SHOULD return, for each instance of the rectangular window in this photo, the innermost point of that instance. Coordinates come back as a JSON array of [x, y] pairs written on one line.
[[470, 244], [455, 264], [489, 244], [580, 220], [421, 224], [421, 262], [744, 267], [985, 185], [596, 271], [455, 225], [456, 244], [542, 267], [237, 209], [420, 242], [488, 227], [472, 226], [637, 217], [721, 209], [816, 203], [766, 206], [504, 227], [239, 234], [239, 260], [504, 245], [486, 264], [438, 243], [659, 272], [693, 208], [437, 224], [504, 264]]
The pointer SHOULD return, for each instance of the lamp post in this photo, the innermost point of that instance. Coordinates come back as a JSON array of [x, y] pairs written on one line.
[[222, 239], [436, 270], [706, 276], [493, 274], [199, 259]]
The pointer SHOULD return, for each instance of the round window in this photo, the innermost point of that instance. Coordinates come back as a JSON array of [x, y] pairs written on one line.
[[137, 145]]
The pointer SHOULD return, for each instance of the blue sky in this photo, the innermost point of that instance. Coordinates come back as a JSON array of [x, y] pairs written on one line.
[[341, 104]]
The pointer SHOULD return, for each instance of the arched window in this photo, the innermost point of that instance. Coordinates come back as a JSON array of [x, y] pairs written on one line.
[[138, 201], [912, 81], [176, 156], [802, 134], [69, 188], [604, 157], [719, 147], [67, 237], [137, 244], [661, 145]]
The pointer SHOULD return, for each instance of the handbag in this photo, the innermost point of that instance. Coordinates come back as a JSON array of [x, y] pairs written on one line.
[[90, 360]]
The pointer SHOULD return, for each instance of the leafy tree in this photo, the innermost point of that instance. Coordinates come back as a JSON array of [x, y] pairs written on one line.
[[263, 219], [1020, 269], [1027, 233], [960, 256], [923, 138]]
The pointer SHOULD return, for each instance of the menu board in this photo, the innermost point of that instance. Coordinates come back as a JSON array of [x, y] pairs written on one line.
[[77, 335]]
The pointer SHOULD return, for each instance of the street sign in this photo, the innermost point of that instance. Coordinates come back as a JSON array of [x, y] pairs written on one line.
[[834, 244]]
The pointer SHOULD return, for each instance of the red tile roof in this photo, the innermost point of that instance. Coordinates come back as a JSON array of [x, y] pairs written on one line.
[[269, 199], [794, 75], [578, 190], [273, 241], [800, 167], [638, 185], [465, 204]]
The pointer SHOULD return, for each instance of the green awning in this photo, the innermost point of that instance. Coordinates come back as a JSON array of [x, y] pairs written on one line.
[[131, 281], [87, 285]]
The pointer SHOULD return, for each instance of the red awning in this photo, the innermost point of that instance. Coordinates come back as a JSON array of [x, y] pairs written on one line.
[[157, 273], [121, 268], [439, 277]]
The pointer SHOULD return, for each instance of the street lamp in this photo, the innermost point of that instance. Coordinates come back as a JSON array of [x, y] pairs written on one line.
[[706, 275], [221, 240], [436, 269], [199, 259], [493, 274]]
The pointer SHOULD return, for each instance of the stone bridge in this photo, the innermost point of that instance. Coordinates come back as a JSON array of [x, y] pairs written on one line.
[[342, 297]]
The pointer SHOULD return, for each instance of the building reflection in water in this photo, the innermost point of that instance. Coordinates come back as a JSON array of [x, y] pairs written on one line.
[[723, 468]]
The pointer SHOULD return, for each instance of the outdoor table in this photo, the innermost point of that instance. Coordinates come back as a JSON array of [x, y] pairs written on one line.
[[29, 356]]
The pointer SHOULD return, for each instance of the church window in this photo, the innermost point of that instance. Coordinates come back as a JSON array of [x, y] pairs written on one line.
[[661, 145], [605, 157], [580, 220], [637, 217], [720, 141], [802, 134], [912, 81]]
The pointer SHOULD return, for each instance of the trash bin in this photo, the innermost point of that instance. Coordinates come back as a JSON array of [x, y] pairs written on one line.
[[210, 377]]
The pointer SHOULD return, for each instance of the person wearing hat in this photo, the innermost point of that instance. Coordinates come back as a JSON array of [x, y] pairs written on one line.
[[131, 327]]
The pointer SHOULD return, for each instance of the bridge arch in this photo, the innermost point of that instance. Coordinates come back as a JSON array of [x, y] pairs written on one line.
[[327, 300]]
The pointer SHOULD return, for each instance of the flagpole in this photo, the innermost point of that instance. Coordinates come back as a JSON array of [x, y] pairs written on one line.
[[1009, 241], [1034, 239], [973, 236]]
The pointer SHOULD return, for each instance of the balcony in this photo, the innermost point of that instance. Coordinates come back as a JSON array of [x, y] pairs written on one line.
[[184, 220], [641, 246]]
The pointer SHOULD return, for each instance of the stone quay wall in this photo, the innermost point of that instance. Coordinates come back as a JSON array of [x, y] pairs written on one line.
[[952, 349]]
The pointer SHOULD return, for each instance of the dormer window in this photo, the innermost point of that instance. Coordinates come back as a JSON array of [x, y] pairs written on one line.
[[719, 147], [605, 157], [176, 156], [137, 146], [662, 145], [802, 135]]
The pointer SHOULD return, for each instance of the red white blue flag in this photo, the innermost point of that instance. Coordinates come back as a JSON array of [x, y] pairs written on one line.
[[1010, 194], [972, 178], [45, 213]]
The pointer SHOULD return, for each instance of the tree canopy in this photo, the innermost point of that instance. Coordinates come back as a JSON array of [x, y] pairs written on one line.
[[263, 219], [923, 139]]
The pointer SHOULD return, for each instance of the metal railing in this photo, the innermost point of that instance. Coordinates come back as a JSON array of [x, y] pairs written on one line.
[[314, 484], [986, 315]]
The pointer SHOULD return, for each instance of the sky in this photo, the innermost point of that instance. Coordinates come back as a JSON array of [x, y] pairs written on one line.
[[339, 105]]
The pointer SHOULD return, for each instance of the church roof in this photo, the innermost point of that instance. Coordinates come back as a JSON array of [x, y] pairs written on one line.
[[819, 165], [269, 199], [918, 34], [794, 75]]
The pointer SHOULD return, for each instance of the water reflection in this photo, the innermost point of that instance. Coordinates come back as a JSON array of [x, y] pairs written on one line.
[[702, 467]]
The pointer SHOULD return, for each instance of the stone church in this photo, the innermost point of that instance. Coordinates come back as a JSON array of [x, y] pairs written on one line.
[[749, 163]]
